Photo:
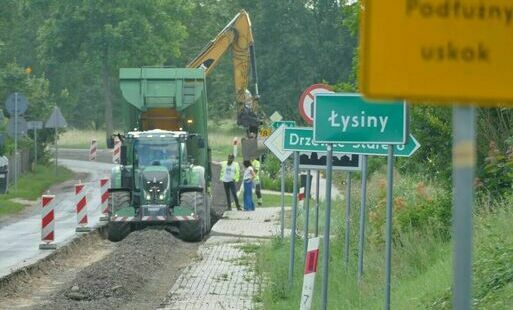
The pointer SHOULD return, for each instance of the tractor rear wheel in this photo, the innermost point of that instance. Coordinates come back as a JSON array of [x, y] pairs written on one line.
[[194, 230]]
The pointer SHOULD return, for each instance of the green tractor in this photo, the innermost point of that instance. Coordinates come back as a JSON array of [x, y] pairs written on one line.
[[164, 172]]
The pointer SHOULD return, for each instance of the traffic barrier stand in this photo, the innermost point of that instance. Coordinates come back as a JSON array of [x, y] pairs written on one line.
[[312, 256], [92, 150], [47, 223], [116, 152], [81, 208], [104, 199]]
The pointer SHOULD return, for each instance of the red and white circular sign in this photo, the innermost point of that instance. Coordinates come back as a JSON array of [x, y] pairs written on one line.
[[306, 100]]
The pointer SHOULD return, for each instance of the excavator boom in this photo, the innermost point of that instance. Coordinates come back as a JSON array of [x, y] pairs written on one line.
[[237, 35]]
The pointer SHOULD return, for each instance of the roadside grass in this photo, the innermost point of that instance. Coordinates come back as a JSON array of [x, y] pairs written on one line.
[[30, 186], [421, 262], [220, 138], [421, 267], [271, 200], [81, 138]]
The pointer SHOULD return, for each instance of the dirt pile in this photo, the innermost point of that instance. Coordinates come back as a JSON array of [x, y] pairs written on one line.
[[117, 279]]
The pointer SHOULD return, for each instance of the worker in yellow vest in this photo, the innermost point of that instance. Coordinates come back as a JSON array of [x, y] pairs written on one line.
[[230, 174], [256, 181]]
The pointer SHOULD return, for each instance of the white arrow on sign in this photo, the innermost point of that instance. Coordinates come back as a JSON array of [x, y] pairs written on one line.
[[275, 144], [306, 100]]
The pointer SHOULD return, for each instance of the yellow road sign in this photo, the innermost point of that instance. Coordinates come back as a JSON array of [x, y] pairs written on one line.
[[265, 132], [437, 50]]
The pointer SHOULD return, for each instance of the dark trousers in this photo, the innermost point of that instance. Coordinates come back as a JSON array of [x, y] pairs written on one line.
[[258, 191], [230, 187]]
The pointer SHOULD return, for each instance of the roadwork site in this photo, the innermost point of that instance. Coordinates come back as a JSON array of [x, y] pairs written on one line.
[[149, 269]]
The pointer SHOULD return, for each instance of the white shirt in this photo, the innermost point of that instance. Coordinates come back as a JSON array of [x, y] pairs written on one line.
[[248, 173]]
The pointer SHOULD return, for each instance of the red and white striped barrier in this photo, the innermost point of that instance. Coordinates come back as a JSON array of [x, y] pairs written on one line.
[[81, 207], [92, 150], [312, 256], [104, 199], [235, 143], [47, 223], [116, 152]]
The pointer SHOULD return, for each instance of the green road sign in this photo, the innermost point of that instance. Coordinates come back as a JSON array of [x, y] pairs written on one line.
[[349, 118], [276, 125], [301, 139]]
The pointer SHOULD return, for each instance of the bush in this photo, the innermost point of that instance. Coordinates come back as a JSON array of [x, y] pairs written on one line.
[[416, 206], [274, 184]]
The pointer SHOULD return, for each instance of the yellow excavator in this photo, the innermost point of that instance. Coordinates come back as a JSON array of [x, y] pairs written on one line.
[[238, 36]]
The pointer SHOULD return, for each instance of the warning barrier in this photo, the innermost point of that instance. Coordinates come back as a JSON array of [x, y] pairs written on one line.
[[81, 207], [312, 256], [92, 150], [47, 223], [116, 152], [104, 199]]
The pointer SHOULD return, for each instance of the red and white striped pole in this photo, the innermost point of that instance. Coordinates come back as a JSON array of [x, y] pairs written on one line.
[[104, 199], [312, 256], [47, 223], [235, 143], [116, 152], [301, 196], [92, 150], [81, 207]]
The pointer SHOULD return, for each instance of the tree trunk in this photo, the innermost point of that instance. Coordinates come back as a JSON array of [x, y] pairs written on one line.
[[108, 101]]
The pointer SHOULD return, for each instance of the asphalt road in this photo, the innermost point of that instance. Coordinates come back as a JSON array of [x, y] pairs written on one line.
[[19, 241]]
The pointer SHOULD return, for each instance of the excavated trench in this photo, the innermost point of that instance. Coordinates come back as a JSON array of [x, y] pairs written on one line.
[[93, 273]]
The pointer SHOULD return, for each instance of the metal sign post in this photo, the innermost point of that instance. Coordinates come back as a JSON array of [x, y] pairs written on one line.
[[294, 219], [35, 146], [275, 144], [348, 219], [16, 142], [56, 120], [326, 236], [388, 227], [317, 179], [282, 201], [463, 158], [307, 209], [35, 125], [363, 212]]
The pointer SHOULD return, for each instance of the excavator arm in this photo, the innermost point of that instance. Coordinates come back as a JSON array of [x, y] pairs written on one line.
[[236, 35]]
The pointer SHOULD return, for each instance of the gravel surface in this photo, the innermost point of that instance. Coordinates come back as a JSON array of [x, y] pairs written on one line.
[[121, 280]]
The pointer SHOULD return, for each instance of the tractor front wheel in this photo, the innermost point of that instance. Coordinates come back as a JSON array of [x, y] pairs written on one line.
[[117, 231], [194, 230]]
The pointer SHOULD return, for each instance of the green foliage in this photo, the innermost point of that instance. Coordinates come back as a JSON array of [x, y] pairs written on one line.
[[417, 205], [14, 78], [274, 184], [30, 187], [497, 174]]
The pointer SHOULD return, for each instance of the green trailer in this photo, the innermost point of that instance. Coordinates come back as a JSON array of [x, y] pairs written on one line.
[[164, 171]]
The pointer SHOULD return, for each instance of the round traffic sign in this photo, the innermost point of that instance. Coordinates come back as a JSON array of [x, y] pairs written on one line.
[[16, 103], [306, 100]]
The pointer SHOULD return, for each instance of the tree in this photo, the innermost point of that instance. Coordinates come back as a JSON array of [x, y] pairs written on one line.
[[104, 35]]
